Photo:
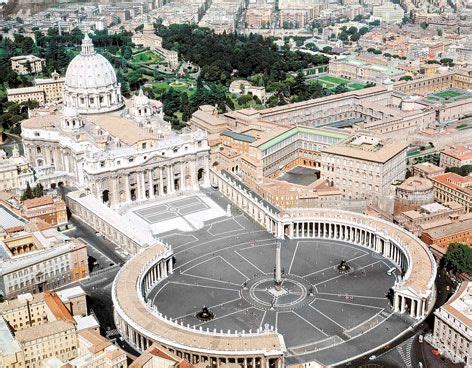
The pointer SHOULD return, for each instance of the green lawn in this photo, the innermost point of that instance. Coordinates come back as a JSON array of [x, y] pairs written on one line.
[[161, 87], [323, 83], [332, 79], [356, 86], [448, 93], [146, 57]]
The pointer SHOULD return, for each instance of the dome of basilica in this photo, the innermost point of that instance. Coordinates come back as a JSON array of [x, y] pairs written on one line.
[[90, 84]]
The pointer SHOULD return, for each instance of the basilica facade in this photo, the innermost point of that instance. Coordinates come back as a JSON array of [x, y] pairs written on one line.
[[120, 150]]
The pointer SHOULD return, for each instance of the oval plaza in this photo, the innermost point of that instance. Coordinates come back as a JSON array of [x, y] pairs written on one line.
[[141, 322]]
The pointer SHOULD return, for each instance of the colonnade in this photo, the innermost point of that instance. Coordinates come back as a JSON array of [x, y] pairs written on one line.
[[251, 203], [351, 233], [156, 273], [140, 342], [330, 225], [409, 303]]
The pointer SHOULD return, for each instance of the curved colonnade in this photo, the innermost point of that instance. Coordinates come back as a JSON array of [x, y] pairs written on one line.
[[141, 324]]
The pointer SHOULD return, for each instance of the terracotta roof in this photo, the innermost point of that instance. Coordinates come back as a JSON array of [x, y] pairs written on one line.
[[455, 181], [57, 307], [449, 229], [97, 342], [156, 350], [37, 202], [121, 128], [460, 153]]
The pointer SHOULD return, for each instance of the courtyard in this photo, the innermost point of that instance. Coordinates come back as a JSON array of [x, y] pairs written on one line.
[[300, 175], [449, 95]]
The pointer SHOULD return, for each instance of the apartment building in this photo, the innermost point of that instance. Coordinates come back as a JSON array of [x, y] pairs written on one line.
[[27, 64], [35, 261], [47, 210], [364, 166], [452, 326], [456, 157], [451, 187], [44, 90]]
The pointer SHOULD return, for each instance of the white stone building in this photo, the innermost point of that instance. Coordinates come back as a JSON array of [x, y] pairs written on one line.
[[120, 151], [453, 326]]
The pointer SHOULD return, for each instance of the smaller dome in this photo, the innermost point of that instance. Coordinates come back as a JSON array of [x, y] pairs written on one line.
[[141, 99], [69, 112]]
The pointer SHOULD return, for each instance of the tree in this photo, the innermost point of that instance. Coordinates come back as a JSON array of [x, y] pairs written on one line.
[[28, 193], [424, 25], [447, 61], [327, 49], [355, 37], [406, 77], [464, 170], [38, 191], [459, 257], [352, 30]]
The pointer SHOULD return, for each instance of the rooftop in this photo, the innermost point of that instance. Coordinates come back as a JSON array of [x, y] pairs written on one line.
[[291, 132], [460, 153], [455, 181], [44, 330], [369, 150], [239, 136], [449, 229], [9, 219], [460, 304], [121, 128], [38, 202]]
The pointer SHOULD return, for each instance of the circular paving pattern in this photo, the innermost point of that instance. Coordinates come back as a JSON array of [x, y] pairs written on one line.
[[261, 292]]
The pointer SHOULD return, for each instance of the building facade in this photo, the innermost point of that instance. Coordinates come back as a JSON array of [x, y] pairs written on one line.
[[413, 193], [44, 90], [27, 64], [120, 151], [46, 209], [364, 167], [15, 172], [40, 260], [452, 326], [451, 187]]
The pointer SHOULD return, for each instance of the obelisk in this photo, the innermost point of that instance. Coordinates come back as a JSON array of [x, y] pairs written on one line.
[[278, 269]]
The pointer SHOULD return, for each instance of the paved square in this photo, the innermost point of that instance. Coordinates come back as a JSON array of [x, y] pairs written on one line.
[[228, 266], [181, 207], [182, 213]]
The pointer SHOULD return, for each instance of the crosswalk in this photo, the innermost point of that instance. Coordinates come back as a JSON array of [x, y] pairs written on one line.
[[404, 350]]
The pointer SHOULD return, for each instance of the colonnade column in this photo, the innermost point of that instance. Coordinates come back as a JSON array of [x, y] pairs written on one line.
[[161, 181], [150, 184]]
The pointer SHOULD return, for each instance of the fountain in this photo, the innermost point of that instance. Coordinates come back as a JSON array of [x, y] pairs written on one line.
[[343, 266], [205, 314]]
